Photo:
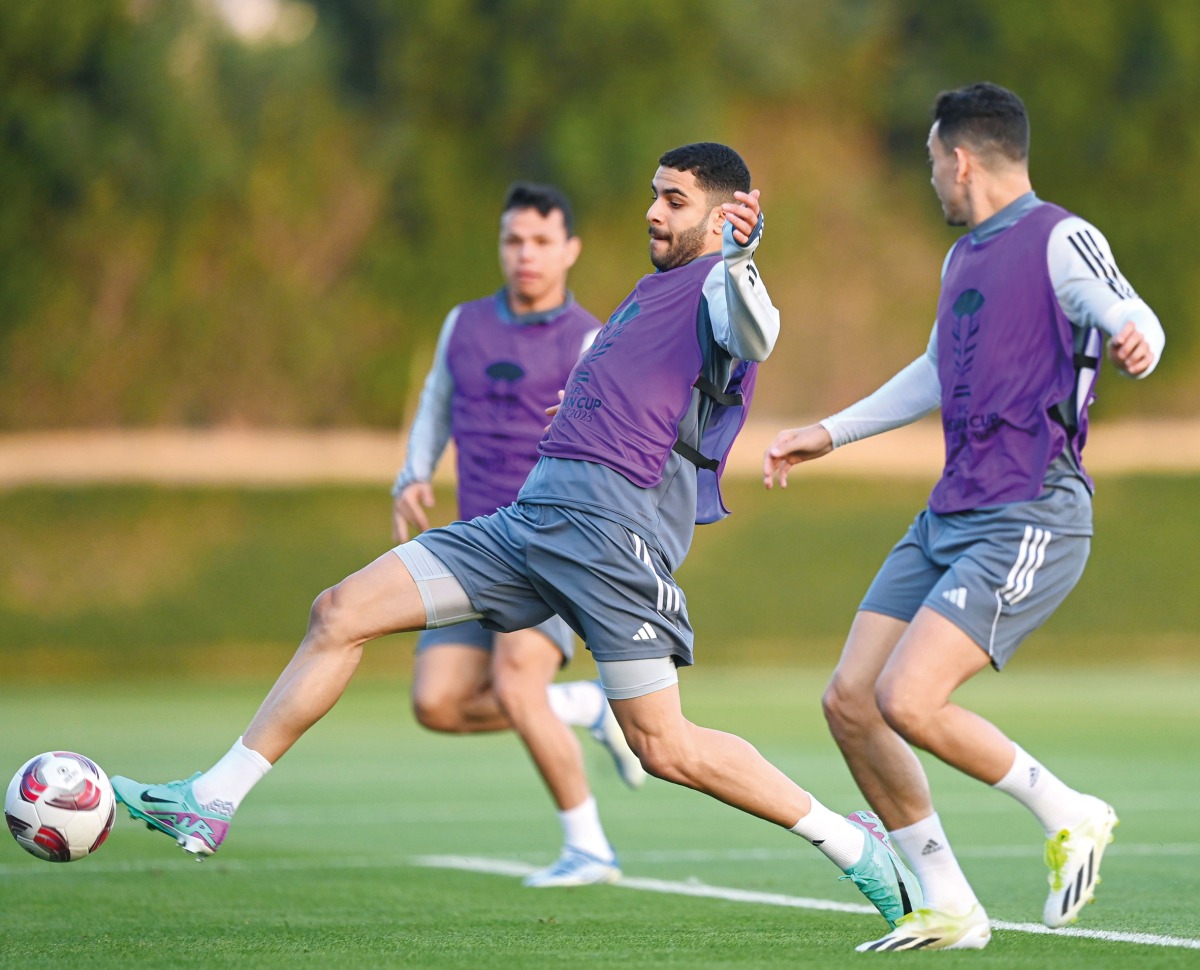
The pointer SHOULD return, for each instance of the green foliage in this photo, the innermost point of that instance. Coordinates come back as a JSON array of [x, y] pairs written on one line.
[[189, 210], [202, 229]]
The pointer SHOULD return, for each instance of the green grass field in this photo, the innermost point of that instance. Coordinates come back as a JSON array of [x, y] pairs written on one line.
[[325, 861], [142, 626]]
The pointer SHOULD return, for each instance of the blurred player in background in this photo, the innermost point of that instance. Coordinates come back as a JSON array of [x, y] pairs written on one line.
[[1027, 298], [499, 362], [628, 465]]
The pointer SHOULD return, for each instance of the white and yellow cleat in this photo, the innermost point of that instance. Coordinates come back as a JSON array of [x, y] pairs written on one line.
[[931, 929], [1073, 858]]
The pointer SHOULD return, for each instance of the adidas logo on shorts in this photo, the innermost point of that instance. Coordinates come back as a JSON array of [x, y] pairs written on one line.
[[646, 632], [957, 596]]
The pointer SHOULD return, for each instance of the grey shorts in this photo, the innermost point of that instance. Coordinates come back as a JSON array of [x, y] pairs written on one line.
[[472, 634], [997, 574], [523, 564]]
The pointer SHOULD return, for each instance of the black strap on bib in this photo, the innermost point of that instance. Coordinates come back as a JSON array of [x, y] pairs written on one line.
[[709, 390], [684, 450], [1063, 413]]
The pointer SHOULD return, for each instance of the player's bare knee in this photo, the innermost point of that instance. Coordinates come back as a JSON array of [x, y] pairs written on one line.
[[321, 615], [519, 685], [330, 622], [663, 757], [520, 696], [848, 710], [834, 705], [903, 712], [437, 712], [659, 764]]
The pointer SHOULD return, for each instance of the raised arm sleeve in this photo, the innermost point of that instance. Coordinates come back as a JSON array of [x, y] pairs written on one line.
[[430, 429], [1090, 288], [744, 321]]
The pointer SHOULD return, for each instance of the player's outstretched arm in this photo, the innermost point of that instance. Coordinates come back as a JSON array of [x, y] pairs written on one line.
[[792, 446], [408, 510]]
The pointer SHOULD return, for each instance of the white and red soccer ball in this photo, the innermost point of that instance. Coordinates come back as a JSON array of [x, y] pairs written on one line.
[[60, 806]]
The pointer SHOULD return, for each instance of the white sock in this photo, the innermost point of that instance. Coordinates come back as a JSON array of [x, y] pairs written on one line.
[[228, 781], [1055, 805], [578, 703], [582, 829], [840, 841], [932, 861]]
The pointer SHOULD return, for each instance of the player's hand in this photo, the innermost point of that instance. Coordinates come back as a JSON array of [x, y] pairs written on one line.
[[743, 214], [409, 510], [792, 446], [1130, 351], [553, 409]]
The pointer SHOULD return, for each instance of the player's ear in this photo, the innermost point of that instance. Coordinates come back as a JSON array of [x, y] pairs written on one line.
[[574, 246], [716, 220], [963, 162]]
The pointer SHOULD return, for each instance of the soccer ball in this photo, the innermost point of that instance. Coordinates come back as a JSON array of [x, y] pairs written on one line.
[[60, 806]]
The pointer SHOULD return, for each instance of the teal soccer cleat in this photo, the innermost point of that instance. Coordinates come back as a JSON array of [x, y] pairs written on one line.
[[881, 874], [172, 809]]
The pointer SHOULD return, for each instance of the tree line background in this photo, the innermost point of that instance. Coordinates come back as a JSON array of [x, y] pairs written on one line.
[[265, 226]]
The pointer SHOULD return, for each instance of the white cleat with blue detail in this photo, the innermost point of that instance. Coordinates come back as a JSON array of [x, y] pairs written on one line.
[[608, 732], [575, 868]]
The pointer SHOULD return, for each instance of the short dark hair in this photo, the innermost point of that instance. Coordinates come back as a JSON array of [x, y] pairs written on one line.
[[544, 198], [987, 117], [719, 170]]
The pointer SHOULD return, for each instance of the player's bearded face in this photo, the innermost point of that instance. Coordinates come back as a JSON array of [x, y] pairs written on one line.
[[681, 247], [683, 222]]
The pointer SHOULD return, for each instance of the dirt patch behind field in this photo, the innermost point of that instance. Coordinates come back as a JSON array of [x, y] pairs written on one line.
[[290, 457]]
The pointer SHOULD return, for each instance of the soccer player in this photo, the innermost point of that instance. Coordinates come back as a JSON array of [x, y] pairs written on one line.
[[1026, 296], [604, 518], [499, 360]]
